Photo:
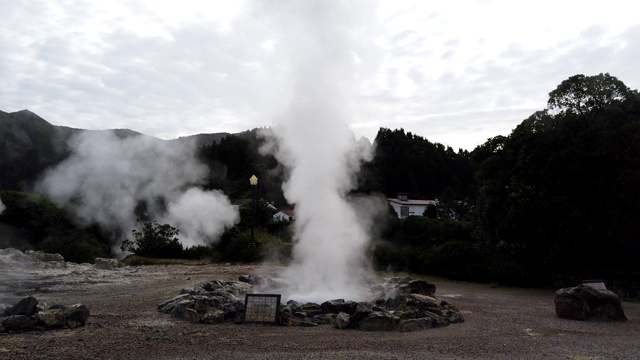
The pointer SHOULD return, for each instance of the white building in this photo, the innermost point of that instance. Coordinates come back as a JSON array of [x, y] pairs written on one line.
[[406, 207], [284, 215]]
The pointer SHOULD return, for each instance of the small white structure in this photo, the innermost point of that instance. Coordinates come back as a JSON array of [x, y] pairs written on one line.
[[406, 207], [284, 215]]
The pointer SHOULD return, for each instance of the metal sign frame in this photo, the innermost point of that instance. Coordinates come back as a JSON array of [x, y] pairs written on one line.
[[262, 309]]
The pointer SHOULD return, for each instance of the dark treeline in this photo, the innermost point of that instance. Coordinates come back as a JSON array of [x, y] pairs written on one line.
[[559, 195], [408, 163]]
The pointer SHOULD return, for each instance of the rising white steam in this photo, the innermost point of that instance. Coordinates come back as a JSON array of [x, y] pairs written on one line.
[[315, 144], [106, 178]]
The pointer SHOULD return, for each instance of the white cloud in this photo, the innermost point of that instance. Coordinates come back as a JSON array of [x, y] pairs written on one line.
[[170, 68]]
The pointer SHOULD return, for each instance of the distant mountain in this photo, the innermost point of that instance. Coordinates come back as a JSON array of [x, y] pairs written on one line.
[[29, 145], [204, 139]]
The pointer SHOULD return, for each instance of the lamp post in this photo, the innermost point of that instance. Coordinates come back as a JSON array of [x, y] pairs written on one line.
[[253, 181]]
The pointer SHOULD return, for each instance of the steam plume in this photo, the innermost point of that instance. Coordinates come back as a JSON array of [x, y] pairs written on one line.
[[315, 143], [106, 178]]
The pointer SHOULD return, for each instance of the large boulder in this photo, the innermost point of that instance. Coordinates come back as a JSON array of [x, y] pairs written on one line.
[[76, 315], [585, 302], [52, 317], [27, 306], [339, 305]]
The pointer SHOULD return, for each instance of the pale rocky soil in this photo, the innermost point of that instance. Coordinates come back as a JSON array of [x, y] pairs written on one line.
[[501, 323]]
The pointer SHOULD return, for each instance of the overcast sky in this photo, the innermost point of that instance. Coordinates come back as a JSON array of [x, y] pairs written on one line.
[[455, 72]]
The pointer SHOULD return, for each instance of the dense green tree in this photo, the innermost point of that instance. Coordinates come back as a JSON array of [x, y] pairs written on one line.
[[236, 158], [587, 95], [561, 189], [405, 162]]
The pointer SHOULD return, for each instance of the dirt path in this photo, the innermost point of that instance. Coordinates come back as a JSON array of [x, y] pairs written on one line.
[[501, 323]]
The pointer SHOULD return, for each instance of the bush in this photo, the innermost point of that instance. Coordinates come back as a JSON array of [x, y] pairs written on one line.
[[388, 257], [77, 248], [199, 252], [155, 240], [234, 246], [460, 260], [421, 231]]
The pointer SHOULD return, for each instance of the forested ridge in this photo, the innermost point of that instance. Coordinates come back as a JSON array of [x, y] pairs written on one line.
[[559, 195]]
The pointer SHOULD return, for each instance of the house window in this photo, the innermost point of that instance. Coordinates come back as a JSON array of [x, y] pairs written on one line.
[[404, 211]]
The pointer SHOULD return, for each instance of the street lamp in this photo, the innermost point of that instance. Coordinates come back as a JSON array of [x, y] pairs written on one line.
[[253, 181]]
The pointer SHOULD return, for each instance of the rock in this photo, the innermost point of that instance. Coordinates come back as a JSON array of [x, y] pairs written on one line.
[[584, 302], [254, 280], [423, 301], [310, 307], [339, 305], [396, 302], [180, 306], [213, 316], [451, 313], [233, 309], [58, 306], [379, 321], [27, 306], [76, 315], [19, 323], [436, 319], [191, 315], [213, 285], [107, 264], [169, 305], [342, 320], [415, 324], [330, 319], [362, 311], [42, 256], [300, 319], [291, 307], [190, 291], [408, 313], [238, 288], [417, 287], [288, 319], [52, 317]]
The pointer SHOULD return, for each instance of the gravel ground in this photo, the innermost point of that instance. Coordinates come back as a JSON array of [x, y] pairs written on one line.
[[501, 323]]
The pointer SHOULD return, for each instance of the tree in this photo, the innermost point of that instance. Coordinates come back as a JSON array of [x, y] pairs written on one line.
[[155, 240], [561, 189], [587, 95]]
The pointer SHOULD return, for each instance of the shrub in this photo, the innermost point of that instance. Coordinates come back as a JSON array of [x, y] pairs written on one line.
[[155, 240], [234, 246], [458, 260], [420, 231], [199, 252]]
